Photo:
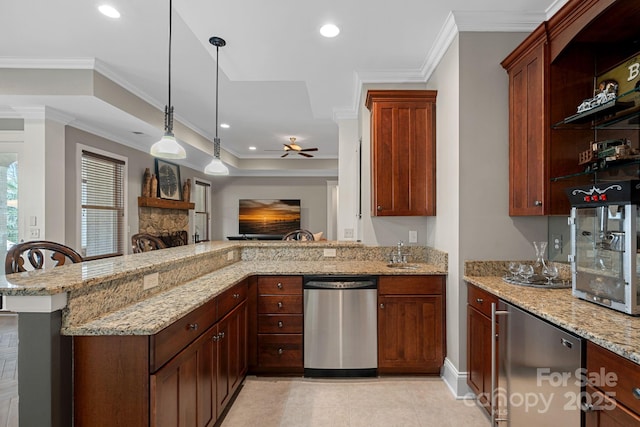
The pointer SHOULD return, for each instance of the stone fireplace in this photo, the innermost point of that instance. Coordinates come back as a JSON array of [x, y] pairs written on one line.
[[165, 219]]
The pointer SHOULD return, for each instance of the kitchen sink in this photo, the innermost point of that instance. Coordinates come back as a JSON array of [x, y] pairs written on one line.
[[403, 266]]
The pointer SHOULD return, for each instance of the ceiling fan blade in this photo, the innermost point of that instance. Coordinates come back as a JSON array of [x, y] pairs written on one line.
[[285, 155], [304, 154], [309, 149]]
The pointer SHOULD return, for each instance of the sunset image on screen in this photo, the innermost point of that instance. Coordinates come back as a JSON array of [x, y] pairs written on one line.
[[272, 217]]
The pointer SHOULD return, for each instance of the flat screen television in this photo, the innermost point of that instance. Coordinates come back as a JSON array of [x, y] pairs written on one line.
[[274, 218]]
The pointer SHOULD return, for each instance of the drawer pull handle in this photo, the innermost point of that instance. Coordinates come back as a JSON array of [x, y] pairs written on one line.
[[280, 351], [587, 407], [221, 335], [280, 304], [236, 295], [280, 324], [381, 305], [636, 392], [479, 300], [193, 326], [279, 285]]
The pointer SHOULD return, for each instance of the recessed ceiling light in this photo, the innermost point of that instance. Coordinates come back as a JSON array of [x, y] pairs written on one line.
[[252, 148], [329, 30], [224, 125], [109, 11]]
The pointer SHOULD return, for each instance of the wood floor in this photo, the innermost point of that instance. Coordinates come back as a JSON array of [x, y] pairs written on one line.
[[8, 370]]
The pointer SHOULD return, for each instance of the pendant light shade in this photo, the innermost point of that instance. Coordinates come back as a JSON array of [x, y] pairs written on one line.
[[216, 167], [168, 147]]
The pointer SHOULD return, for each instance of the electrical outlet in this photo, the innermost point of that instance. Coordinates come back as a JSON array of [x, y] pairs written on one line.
[[413, 236], [556, 242], [348, 233], [150, 281], [330, 252], [34, 233], [230, 256]]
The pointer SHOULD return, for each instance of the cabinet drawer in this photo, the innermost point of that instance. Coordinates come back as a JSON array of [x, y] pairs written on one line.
[[169, 341], [621, 378], [280, 324], [231, 297], [276, 350], [480, 299], [280, 304], [280, 285], [410, 285]]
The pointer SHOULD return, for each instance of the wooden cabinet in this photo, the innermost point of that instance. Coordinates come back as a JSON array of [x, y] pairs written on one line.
[[479, 343], [182, 391], [612, 396], [185, 375], [411, 325], [279, 329], [550, 74], [403, 164], [529, 126]]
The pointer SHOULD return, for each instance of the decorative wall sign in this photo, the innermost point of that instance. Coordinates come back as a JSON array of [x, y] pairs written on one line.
[[169, 183]]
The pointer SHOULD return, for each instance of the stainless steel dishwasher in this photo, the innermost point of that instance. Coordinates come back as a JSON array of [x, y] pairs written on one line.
[[340, 326]]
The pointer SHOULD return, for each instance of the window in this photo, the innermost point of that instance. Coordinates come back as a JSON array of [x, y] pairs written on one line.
[[202, 206], [102, 199]]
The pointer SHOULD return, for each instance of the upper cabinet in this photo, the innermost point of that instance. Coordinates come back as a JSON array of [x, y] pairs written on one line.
[[551, 74], [403, 165]]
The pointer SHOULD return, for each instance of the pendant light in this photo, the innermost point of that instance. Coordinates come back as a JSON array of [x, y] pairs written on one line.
[[168, 147], [216, 167]]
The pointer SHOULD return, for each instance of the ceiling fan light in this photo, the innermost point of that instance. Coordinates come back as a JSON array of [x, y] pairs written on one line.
[[168, 148], [216, 167]]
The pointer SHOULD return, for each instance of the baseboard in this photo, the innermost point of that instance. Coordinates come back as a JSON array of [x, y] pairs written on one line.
[[456, 381]]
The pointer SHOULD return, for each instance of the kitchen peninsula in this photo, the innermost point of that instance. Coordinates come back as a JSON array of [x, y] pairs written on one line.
[[134, 298]]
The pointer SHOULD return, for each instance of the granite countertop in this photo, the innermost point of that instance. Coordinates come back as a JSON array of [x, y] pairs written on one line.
[[608, 328], [153, 314]]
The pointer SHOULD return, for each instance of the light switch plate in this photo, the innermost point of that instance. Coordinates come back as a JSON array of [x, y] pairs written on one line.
[[150, 281], [413, 236]]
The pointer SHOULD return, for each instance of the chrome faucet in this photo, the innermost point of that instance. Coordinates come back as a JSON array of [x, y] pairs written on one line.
[[399, 256]]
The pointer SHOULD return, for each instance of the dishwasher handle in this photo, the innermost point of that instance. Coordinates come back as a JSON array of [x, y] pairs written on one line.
[[341, 283]]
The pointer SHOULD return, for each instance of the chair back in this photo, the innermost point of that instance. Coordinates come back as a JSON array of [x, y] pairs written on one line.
[[34, 252], [143, 242], [298, 235]]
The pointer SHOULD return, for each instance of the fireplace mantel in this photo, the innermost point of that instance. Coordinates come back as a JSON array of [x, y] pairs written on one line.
[[154, 202]]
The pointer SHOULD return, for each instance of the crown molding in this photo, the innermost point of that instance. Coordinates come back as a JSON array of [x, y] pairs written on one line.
[[48, 63]]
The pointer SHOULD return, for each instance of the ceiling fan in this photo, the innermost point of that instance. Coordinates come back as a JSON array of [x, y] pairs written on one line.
[[288, 148]]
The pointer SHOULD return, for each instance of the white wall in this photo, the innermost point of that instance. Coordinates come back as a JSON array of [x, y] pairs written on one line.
[[348, 179], [312, 192]]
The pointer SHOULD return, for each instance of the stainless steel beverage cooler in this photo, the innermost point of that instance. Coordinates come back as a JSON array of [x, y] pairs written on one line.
[[605, 220]]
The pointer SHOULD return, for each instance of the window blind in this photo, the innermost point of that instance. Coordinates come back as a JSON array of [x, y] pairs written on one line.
[[102, 201]]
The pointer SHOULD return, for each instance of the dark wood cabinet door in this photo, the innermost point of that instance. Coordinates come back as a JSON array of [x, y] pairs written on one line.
[[479, 356], [606, 412], [223, 390], [403, 152], [182, 390], [528, 133], [410, 334]]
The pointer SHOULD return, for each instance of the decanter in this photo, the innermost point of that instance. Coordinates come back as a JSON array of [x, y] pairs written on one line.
[[541, 250]]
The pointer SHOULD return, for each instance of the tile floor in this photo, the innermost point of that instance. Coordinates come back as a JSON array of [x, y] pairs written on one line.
[[388, 402]]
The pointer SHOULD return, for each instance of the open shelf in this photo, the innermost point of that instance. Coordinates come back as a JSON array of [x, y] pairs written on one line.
[[630, 169], [622, 112], [154, 202]]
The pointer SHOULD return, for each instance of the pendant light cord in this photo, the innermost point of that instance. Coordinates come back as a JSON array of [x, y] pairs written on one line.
[[168, 117], [217, 68]]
